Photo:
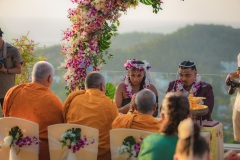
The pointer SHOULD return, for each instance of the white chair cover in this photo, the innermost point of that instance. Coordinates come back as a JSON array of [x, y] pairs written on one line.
[[29, 129], [89, 152], [118, 135]]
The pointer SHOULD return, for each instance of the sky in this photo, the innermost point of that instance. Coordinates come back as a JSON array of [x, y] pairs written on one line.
[[45, 20]]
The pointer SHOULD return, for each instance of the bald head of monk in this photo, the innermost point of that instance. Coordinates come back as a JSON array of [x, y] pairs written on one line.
[[145, 101], [43, 73], [95, 80]]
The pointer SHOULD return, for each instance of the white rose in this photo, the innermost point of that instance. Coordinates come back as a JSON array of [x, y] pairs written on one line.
[[8, 140]]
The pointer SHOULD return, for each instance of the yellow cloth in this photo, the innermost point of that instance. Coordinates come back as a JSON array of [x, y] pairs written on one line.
[[94, 109], [136, 121], [35, 102], [216, 144]]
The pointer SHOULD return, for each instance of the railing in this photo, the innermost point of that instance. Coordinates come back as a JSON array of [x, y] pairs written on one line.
[[235, 147], [223, 102]]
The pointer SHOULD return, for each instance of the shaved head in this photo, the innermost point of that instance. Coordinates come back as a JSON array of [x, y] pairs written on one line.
[[145, 101], [41, 71], [94, 80]]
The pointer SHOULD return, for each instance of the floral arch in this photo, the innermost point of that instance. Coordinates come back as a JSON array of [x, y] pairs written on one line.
[[94, 22]]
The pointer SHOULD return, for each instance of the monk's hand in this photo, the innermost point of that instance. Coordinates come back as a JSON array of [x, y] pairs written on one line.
[[132, 103]]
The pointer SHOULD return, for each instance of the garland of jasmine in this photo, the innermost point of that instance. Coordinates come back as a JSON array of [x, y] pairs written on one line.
[[195, 86]]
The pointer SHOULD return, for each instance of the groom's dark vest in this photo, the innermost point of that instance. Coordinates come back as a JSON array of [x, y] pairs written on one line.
[[205, 90]]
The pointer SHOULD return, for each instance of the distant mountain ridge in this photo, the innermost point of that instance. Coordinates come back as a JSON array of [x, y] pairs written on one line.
[[207, 45]]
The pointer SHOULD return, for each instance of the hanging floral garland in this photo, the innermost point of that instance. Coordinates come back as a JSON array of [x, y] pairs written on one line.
[[94, 22]]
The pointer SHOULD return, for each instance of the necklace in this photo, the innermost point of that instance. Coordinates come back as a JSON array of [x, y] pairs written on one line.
[[128, 86], [195, 86]]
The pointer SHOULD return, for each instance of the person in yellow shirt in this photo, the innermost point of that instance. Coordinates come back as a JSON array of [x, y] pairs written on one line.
[[91, 107], [36, 102], [142, 119]]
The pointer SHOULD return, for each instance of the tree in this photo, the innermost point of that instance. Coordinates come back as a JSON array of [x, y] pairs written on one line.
[[26, 48]]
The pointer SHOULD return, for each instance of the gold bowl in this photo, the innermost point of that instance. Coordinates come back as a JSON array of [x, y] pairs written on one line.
[[199, 110]]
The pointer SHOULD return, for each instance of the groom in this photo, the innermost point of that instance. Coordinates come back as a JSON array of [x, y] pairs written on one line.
[[187, 81]]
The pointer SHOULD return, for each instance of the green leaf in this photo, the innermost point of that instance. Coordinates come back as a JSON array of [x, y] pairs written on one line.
[[129, 141], [110, 90]]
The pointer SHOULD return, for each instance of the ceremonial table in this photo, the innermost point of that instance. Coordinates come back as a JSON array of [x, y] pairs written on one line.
[[216, 142]]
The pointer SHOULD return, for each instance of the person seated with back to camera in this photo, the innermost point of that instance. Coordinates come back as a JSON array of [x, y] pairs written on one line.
[[162, 145], [188, 81], [136, 79], [92, 108], [191, 145], [145, 102], [36, 102]]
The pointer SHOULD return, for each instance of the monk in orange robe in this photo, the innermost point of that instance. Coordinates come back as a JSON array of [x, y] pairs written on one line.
[[92, 108], [142, 119], [35, 102]]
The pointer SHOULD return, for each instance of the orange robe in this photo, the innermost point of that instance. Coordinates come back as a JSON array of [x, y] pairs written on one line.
[[136, 121], [94, 109], [35, 102]]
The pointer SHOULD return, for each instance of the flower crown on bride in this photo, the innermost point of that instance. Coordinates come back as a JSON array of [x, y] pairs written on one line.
[[134, 65]]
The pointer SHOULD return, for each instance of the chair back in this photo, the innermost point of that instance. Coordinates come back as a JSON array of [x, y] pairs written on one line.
[[57, 152], [117, 137], [28, 128]]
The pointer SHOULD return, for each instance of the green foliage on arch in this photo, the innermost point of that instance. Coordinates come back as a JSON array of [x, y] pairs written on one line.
[[93, 25]]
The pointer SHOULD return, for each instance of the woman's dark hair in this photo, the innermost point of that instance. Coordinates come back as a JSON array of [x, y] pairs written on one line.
[[142, 82], [199, 146], [177, 110]]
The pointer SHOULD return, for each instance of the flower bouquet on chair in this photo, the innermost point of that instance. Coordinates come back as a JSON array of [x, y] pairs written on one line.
[[130, 148], [15, 141], [72, 142]]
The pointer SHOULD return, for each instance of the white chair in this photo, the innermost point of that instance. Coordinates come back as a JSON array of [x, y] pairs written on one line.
[[89, 152], [117, 137], [29, 129]]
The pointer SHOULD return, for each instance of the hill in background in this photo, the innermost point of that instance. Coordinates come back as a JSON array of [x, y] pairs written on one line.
[[214, 48], [208, 45]]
